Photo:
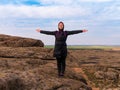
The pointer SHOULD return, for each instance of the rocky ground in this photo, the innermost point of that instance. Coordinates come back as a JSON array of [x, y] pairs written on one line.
[[26, 65], [102, 67]]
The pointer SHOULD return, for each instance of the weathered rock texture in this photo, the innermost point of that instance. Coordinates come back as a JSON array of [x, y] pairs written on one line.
[[102, 67], [10, 41], [27, 66]]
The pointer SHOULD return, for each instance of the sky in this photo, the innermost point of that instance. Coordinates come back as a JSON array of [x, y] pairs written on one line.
[[100, 17]]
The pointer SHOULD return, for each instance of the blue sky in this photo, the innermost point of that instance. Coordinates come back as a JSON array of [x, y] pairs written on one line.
[[100, 17]]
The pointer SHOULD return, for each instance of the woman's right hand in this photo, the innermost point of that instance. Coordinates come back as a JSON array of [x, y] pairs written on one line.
[[85, 30], [38, 30]]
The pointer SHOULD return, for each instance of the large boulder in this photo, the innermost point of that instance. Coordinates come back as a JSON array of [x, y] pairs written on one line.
[[13, 41]]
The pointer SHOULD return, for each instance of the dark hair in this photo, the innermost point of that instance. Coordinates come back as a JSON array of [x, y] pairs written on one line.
[[62, 23]]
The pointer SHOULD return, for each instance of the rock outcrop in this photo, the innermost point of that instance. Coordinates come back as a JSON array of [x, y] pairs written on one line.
[[13, 41], [28, 66], [102, 67]]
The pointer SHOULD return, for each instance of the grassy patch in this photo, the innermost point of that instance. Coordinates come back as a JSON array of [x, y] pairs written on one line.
[[77, 47]]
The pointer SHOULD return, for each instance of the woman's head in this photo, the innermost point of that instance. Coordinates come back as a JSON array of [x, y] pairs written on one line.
[[61, 26]]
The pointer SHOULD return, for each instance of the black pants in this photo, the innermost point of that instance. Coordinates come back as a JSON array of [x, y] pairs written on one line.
[[61, 64]]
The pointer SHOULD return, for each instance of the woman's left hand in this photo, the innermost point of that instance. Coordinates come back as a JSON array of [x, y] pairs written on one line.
[[38, 30]]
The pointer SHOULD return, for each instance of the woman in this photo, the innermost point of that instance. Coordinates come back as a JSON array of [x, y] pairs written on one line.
[[60, 49]]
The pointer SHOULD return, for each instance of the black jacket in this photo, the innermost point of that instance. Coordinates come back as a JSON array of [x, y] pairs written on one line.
[[60, 48]]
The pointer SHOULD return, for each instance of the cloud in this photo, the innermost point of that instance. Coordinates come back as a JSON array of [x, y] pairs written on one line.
[[100, 17], [95, 0], [50, 2], [56, 2], [58, 11], [69, 2], [41, 11], [109, 12]]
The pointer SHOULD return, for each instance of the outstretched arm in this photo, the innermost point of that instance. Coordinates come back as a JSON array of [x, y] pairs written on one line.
[[46, 32], [76, 32]]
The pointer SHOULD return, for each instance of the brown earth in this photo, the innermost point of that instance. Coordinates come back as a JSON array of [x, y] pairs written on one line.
[[30, 67], [102, 67], [34, 68]]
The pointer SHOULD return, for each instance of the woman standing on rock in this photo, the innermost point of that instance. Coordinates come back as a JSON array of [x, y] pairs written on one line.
[[60, 49]]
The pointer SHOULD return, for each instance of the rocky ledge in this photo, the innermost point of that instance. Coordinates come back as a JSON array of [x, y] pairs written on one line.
[[26, 65]]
